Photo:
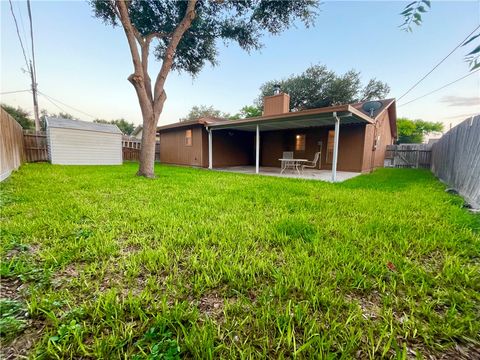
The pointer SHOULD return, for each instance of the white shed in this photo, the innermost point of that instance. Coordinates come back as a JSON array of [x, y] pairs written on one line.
[[75, 142]]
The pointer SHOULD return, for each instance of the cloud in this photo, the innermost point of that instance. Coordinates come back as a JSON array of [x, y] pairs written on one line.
[[463, 116], [461, 100]]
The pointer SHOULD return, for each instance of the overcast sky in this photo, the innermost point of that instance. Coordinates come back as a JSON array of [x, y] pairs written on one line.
[[85, 64]]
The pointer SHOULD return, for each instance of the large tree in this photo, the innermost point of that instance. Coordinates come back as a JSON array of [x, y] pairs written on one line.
[[318, 87], [186, 33], [414, 131]]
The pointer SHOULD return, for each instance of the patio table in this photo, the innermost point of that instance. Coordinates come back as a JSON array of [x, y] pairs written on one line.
[[291, 164]]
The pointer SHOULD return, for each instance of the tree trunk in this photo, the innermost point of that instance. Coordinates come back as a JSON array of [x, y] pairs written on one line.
[[147, 152]]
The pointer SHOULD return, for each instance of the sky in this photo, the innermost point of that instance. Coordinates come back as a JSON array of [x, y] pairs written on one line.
[[83, 64]]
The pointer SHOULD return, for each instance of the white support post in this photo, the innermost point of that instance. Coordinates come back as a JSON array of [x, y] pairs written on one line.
[[335, 147], [210, 150], [257, 151]]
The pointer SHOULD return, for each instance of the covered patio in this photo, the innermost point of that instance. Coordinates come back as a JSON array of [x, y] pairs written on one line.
[[310, 174], [335, 118]]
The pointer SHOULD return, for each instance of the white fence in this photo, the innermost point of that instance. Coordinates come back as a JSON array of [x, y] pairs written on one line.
[[456, 159]]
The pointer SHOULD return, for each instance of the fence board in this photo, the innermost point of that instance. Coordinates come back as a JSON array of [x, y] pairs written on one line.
[[131, 154], [131, 151], [456, 159], [12, 153], [408, 156], [36, 148]]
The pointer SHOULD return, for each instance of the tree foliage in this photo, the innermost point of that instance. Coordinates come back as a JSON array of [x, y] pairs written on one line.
[[124, 126], [239, 21], [412, 14], [414, 131], [248, 111], [20, 115], [201, 111], [319, 87]]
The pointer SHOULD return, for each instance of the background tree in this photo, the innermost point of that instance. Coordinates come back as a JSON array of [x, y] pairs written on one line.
[[199, 111], [248, 111], [319, 87], [124, 126], [20, 115], [186, 33], [414, 131]]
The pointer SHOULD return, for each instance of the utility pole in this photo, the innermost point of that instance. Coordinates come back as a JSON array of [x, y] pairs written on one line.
[[35, 100], [33, 72]]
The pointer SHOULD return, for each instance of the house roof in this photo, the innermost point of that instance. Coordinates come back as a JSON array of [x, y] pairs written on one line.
[[61, 123], [349, 114], [206, 121], [137, 130]]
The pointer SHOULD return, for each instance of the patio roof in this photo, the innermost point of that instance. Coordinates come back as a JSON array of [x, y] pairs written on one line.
[[299, 119]]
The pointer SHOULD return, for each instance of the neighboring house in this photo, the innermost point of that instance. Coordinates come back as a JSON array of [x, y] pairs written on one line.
[[137, 133], [75, 142], [364, 131]]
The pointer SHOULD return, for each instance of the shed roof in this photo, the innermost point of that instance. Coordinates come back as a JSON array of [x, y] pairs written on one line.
[[55, 122]]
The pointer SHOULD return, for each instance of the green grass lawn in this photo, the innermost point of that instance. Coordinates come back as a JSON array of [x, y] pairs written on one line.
[[97, 263]]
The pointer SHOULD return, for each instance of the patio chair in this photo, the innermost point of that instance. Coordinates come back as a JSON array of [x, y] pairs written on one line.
[[287, 164], [312, 164]]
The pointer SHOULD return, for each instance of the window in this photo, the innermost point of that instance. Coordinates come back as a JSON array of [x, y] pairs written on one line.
[[300, 142], [188, 137]]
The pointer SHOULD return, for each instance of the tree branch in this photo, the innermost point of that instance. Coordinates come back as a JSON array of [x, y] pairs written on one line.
[[145, 46], [170, 53], [138, 77]]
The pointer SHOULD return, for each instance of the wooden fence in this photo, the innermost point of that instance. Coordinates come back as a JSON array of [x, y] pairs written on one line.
[[36, 148], [456, 159], [408, 156], [12, 153], [133, 153]]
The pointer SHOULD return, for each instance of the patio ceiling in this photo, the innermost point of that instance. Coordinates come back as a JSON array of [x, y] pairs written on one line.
[[297, 120]]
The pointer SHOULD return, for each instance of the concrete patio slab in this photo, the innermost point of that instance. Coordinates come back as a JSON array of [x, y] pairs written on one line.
[[322, 175]]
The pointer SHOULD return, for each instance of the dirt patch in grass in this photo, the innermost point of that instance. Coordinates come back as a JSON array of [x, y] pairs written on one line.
[[20, 249], [23, 343], [212, 305], [130, 249], [458, 352], [370, 305], [13, 289], [432, 262]]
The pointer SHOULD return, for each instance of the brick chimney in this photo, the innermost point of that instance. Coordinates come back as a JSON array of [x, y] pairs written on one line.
[[276, 104]]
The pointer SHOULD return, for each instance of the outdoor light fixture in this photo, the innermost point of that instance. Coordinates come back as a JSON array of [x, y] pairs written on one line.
[[276, 89]]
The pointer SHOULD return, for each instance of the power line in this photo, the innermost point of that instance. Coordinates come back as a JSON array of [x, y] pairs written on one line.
[[50, 101], [71, 107], [18, 33], [24, 33], [440, 88], [441, 61], [31, 38], [14, 92]]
